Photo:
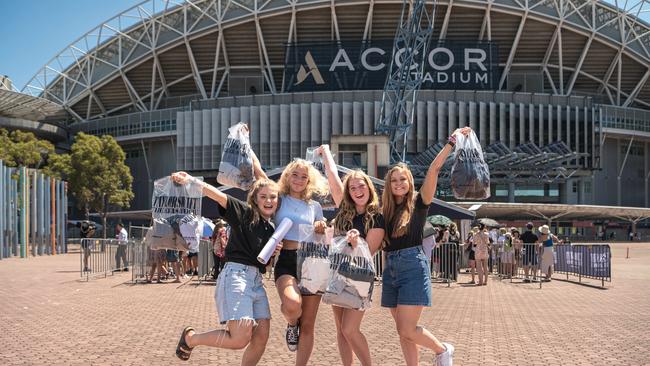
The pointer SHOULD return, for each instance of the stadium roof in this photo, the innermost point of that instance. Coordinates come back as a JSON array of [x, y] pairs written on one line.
[[162, 49], [554, 212], [18, 105]]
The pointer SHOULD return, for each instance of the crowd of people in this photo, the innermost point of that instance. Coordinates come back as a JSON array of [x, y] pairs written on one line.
[[169, 264], [396, 226]]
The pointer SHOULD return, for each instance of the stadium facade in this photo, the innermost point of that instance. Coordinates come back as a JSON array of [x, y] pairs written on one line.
[[557, 90]]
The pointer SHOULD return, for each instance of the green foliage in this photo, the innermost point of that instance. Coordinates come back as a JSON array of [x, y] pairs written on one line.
[[18, 148], [98, 176]]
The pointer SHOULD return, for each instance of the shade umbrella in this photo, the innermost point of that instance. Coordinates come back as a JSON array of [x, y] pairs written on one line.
[[488, 222], [439, 220]]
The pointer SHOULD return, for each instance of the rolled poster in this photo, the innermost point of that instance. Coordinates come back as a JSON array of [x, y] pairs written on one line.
[[277, 236]]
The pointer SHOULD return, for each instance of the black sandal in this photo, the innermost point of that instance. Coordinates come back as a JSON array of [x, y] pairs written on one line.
[[183, 351]]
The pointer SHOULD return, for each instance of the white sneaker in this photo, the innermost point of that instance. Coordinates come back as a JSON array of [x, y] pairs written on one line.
[[446, 358]]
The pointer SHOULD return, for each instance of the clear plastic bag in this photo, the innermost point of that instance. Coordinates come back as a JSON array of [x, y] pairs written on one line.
[[170, 198], [470, 174], [170, 203], [236, 166], [352, 275], [313, 267], [317, 162]]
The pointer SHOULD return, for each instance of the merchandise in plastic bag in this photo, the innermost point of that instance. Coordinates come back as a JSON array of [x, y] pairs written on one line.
[[170, 198], [352, 275], [313, 262], [170, 203], [163, 236], [317, 162], [470, 175], [236, 166]]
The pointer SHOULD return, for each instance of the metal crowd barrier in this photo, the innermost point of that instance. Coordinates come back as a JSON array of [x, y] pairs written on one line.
[[592, 261], [104, 256], [445, 263], [140, 261]]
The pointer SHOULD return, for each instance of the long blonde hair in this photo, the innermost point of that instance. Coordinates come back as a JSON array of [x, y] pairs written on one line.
[[397, 216], [347, 209], [252, 194], [316, 185]]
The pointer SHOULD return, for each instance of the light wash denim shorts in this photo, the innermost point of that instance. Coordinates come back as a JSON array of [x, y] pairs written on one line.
[[240, 294], [406, 279]]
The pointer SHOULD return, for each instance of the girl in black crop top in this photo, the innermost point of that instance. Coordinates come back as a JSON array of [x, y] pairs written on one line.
[[358, 216], [406, 285], [251, 225]]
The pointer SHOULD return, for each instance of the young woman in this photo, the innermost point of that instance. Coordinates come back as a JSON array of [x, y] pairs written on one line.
[[241, 300], [298, 183], [219, 241], [518, 245], [358, 216], [406, 286], [471, 248], [547, 240], [482, 242]]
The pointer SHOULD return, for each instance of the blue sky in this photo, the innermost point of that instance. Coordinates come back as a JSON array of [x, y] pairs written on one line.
[[34, 31]]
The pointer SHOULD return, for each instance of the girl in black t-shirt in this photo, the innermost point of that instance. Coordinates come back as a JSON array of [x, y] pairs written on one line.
[[358, 216], [406, 281], [241, 300]]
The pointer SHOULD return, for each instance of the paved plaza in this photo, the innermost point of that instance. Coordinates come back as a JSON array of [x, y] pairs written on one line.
[[49, 317]]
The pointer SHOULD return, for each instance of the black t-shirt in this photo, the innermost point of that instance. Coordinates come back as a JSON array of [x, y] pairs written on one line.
[[246, 240], [377, 223], [415, 229], [528, 237]]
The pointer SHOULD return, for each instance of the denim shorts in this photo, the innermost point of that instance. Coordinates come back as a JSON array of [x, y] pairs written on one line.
[[406, 279], [240, 294]]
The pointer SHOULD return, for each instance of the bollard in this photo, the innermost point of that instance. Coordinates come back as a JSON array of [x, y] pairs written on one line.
[[627, 255]]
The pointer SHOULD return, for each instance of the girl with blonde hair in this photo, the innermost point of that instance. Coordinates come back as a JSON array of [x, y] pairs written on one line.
[[358, 216], [299, 182], [406, 286]]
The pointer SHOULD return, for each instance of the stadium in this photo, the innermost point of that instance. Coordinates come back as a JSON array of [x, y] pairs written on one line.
[[557, 90]]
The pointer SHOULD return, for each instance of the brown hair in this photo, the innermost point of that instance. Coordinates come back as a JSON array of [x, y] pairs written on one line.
[[397, 216], [316, 185], [347, 209], [252, 194]]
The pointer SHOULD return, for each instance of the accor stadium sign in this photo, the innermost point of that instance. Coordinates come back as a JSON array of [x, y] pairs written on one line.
[[358, 65]]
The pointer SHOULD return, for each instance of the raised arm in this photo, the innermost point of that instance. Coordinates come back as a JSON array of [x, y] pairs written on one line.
[[257, 167], [208, 190], [336, 186], [430, 184]]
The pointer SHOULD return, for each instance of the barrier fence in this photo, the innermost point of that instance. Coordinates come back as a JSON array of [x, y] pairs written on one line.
[[33, 213], [585, 260], [104, 256], [447, 260]]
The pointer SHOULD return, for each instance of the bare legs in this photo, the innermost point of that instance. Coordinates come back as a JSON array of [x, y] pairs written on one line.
[[297, 307], [472, 268], [238, 335], [482, 271], [411, 335], [349, 337]]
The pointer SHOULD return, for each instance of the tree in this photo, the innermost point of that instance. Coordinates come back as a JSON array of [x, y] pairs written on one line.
[[98, 176]]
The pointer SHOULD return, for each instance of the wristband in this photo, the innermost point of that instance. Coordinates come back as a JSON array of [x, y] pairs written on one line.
[[452, 140]]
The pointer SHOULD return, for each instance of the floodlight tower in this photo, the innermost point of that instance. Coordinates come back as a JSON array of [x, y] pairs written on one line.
[[404, 79]]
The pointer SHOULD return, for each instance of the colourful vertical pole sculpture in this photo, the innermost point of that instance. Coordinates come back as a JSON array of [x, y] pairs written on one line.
[[22, 191], [3, 213], [53, 216]]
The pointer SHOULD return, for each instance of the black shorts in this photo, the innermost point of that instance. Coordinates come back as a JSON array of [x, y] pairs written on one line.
[[472, 255], [190, 254], [286, 264]]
